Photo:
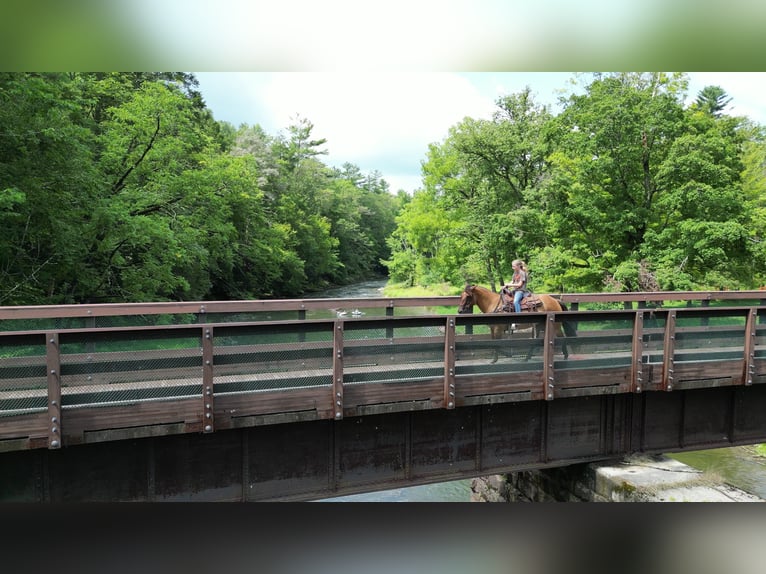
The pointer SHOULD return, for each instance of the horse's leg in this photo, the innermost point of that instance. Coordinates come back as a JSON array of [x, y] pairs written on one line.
[[531, 346], [563, 336], [495, 336], [498, 333]]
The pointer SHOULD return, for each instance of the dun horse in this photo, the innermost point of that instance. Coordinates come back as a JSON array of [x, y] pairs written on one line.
[[490, 302]]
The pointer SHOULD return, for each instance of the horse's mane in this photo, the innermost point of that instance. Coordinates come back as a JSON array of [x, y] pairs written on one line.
[[480, 288]]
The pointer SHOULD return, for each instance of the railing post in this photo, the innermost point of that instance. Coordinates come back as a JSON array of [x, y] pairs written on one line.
[[748, 361], [390, 313], [337, 369], [208, 395], [449, 364], [53, 368], [302, 317], [637, 372], [668, 351], [548, 354]]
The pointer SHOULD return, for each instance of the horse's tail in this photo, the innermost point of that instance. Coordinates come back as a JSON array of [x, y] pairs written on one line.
[[570, 327]]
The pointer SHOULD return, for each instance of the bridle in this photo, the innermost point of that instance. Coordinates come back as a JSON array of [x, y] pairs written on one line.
[[466, 301]]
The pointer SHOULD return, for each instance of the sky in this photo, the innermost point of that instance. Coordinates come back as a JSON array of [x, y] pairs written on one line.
[[384, 121]]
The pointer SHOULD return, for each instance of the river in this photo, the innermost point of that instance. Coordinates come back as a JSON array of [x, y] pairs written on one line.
[[739, 466]]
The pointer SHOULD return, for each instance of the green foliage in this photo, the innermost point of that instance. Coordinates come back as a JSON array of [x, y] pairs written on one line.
[[712, 100], [626, 189], [122, 187]]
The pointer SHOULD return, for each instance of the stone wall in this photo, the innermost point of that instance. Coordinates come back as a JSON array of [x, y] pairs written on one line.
[[635, 479]]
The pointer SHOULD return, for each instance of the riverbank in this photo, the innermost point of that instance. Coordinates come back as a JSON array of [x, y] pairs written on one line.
[[439, 290], [637, 478]]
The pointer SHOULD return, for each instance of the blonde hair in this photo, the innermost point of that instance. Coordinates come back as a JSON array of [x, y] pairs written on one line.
[[520, 263]]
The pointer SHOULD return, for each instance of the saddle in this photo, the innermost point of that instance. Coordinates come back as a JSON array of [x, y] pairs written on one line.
[[529, 302]]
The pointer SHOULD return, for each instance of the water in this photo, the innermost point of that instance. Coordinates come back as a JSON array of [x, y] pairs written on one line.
[[739, 466], [455, 491], [365, 290]]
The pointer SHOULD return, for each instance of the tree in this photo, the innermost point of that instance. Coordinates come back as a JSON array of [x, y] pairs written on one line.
[[47, 185], [426, 247], [625, 188], [602, 194], [483, 175], [361, 213], [712, 100], [122, 187]]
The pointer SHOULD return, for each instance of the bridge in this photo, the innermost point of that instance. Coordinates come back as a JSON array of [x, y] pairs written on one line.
[[314, 398]]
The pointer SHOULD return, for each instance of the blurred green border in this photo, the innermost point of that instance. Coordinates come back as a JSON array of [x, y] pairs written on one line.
[[91, 35]]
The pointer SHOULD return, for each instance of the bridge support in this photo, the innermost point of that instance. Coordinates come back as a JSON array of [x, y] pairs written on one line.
[[324, 458], [632, 479]]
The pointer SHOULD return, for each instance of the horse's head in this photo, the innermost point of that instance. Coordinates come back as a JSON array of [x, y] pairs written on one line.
[[466, 300]]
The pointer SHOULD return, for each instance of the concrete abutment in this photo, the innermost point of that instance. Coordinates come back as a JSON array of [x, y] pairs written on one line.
[[634, 479]]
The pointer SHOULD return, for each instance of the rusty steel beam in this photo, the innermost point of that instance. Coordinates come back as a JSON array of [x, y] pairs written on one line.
[[748, 360], [53, 367], [208, 383], [637, 354], [449, 365], [326, 458], [337, 369], [668, 362]]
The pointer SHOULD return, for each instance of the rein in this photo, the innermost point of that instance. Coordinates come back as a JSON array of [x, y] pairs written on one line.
[[499, 306], [473, 301]]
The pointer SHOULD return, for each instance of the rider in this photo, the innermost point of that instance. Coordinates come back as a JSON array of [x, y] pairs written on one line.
[[518, 283]]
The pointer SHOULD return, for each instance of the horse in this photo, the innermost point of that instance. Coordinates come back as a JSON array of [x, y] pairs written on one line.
[[490, 302]]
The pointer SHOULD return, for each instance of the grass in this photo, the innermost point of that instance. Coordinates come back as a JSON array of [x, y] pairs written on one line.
[[401, 290]]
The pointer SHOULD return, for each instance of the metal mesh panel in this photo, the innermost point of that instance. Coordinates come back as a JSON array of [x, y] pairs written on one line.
[[760, 337], [145, 320], [99, 372], [249, 317], [510, 350], [600, 343], [46, 324], [272, 360], [654, 338], [384, 354], [713, 339], [23, 379]]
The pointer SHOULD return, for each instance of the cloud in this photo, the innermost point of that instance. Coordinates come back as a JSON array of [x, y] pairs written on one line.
[[384, 121], [380, 121]]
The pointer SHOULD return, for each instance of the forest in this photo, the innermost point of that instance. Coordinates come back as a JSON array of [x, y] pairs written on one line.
[[122, 187], [626, 189]]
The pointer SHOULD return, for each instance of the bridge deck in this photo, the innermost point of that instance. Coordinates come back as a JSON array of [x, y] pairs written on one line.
[[293, 400]]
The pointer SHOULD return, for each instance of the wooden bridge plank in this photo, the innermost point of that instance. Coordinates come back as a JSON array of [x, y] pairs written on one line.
[[79, 421], [24, 425]]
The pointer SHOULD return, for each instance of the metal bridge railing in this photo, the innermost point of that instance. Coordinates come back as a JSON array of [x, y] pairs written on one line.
[[75, 384]]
